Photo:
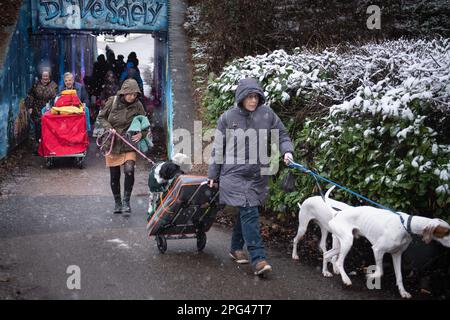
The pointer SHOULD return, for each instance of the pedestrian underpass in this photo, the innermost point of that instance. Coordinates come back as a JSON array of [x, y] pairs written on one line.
[[68, 36]]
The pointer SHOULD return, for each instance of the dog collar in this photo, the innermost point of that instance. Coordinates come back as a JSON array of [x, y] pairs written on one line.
[[408, 224]]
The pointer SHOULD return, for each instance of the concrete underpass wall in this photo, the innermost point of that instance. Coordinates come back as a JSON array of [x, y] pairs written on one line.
[[183, 115], [16, 77], [163, 92]]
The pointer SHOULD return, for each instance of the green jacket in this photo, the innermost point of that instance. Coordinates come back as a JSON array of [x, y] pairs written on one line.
[[116, 114], [139, 124]]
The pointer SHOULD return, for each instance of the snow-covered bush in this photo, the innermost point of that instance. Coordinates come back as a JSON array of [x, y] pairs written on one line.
[[385, 131], [396, 161], [298, 78]]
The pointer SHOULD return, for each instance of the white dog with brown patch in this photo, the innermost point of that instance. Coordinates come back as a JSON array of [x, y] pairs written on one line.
[[314, 209], [386, 231]]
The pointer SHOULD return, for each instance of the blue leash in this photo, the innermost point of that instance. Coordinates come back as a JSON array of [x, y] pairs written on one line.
[[315, 175]]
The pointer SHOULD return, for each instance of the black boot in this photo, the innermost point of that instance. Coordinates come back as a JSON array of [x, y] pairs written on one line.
[[118, 204], [126, 203]]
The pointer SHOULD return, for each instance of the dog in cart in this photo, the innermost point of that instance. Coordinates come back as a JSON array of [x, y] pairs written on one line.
[[180, 206]]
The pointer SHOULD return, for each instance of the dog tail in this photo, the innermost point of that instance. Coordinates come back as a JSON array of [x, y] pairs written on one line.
[[327, 195], [299, 205], [325, 199]]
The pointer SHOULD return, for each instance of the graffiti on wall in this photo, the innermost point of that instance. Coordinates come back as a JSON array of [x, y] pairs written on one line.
[[138, 15], [16, 78], [20, 126]]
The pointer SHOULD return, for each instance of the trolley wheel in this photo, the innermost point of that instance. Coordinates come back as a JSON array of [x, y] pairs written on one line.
[[49, 162], [79, 162], [161, 242], [201, 241]]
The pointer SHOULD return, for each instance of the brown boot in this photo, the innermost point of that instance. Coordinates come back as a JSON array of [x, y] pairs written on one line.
[[239, 256], [262, 268]]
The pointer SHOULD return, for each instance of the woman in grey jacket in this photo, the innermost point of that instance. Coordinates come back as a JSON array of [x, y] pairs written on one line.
[[238, 163]]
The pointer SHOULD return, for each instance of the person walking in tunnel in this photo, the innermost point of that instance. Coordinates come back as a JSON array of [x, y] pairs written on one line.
[[245, 185], [131, 72], [120, 65], [98, 75], [117, 116], [70, 84], [132, 57], [43, 91], [111, 60], [110, 88]]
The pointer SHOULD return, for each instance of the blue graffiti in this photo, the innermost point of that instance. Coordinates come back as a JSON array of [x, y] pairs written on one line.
[[126, 13]]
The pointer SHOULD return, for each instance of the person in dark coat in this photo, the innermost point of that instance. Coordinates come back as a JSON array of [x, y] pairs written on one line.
[[118, 115], [98, 75], [111, 86], [120, 65], [43, 91], [132, 57], [241, 171], [111, 60]]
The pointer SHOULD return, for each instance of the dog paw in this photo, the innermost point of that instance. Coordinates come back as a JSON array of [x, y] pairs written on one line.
[[327, 274], [336, 269], [295, 257], [347, 281], [405, 295]]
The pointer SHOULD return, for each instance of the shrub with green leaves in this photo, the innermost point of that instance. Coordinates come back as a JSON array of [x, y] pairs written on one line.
[[384, 129], [397, 162]]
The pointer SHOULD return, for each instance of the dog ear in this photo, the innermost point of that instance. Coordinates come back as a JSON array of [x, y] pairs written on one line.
[[428, 231], [441, 232]]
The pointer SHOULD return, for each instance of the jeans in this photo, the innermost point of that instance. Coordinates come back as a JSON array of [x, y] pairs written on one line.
[[246, 231]]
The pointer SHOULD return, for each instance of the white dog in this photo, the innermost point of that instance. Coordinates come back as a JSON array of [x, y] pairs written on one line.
[[315, 209], [387, 234]]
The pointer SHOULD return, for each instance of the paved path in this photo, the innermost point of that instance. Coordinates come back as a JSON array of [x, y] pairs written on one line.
[[51, 219]]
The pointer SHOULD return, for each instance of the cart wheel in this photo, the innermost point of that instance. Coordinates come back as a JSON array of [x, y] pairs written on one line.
[[80, 162], [201, 241], [49, 163], [161, 242]]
